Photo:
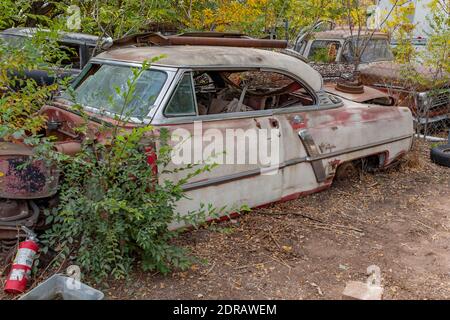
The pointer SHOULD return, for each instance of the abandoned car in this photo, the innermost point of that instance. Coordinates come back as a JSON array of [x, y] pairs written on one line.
[[79, 48], [208, 91], [334, 50]]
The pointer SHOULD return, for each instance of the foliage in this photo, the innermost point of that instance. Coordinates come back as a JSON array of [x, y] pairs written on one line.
[[425, 69], [438, 45], [435, 57], [20, 96], [112, 209], [321, 55], [118, 18], [400, 27], [24, 12]]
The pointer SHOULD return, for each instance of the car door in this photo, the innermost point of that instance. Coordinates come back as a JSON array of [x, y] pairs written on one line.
[[238, 179], [302, 174]]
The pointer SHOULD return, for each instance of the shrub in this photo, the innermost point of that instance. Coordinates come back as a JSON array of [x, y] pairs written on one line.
[[112, 210]]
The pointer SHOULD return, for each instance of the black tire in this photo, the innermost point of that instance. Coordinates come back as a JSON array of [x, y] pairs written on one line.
[[441, 155]]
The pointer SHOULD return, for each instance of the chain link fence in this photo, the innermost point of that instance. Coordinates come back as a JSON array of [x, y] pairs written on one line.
[[432, 118]]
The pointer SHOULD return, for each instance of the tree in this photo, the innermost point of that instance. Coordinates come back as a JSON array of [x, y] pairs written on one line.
[[356, 18]]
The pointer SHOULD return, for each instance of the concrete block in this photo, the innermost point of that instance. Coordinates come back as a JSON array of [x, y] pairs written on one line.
[[362, 291]]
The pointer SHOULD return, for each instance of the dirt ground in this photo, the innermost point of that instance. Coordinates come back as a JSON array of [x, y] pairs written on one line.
[[398, 220], [311, 247]]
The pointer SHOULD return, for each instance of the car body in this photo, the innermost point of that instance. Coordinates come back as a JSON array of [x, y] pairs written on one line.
[[79, 47], [377, 69], [318, 132], [343, 39]]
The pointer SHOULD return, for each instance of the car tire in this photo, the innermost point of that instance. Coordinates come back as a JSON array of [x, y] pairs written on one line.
[[441, 155]]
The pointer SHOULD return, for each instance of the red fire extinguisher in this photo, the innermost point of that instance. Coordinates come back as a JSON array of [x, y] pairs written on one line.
[[23, 262]]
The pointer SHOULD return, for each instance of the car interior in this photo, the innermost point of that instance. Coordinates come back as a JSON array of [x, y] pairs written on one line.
[[240, 91]]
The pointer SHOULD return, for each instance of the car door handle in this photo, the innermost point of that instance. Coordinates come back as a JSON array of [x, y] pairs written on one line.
[[257, 123]]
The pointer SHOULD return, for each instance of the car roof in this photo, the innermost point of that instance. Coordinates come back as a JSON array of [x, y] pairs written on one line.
[[199, 57], [344, 33], [69, 37]]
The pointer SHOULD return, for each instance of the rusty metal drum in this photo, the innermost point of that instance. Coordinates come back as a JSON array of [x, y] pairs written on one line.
[[24, 178]]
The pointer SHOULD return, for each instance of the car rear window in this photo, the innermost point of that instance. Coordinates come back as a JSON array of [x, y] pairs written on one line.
[[324, 50], [104, 87], [375, 50]]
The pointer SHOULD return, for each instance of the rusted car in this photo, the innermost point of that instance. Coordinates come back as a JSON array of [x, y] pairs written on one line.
[[209, 91], [79, 48], [338, 45], [335, 48]]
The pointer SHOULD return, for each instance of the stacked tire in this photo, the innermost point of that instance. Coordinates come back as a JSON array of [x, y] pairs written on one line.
[[441, 155]]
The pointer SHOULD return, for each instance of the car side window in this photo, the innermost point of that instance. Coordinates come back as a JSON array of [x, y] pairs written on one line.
[[72, 56], [324, 50], [232, 91], [300, 47], [347, 52], [182, 102]]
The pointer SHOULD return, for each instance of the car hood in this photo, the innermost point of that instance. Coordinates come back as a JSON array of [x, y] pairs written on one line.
[[392, 74]]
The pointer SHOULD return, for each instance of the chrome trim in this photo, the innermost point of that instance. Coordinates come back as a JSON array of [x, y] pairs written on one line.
[[116, 62], [221, 180], [355, 149], [288, 163], [238, 176], [313, 152], [133, 64], [245, 114]]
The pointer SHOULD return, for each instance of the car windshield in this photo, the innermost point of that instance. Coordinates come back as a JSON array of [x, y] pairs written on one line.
[[376, 50], [104, 87]]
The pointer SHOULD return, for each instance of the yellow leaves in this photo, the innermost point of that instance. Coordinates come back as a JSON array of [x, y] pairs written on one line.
[[232, 15], [1, 174], [399, 17], [18, 108], [195, 267]]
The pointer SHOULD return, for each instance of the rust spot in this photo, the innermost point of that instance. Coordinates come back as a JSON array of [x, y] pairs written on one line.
[[299, 121], [334, 164], [30, 177]]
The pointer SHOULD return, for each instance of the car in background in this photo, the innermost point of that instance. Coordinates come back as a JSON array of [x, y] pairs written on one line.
[[332, 52], [79, 48], [338, 45]]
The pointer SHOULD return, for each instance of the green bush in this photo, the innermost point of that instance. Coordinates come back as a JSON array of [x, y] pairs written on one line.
[[21, 98], [112, 210]]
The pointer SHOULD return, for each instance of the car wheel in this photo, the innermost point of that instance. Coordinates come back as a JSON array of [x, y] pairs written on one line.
[[441, 155], [346, 171]]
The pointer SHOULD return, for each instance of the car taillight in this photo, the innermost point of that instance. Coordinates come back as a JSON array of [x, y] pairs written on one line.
[[152, 158]]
